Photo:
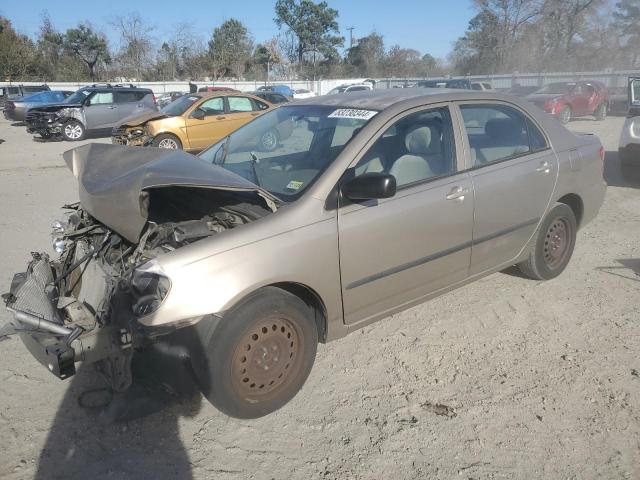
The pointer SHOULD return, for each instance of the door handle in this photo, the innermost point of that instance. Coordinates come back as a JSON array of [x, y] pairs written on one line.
[[220, 117], [544, 167], [111, 107], [457, 193]]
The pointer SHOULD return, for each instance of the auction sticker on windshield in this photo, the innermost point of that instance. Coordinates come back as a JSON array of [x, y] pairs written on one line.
[[353, 113]]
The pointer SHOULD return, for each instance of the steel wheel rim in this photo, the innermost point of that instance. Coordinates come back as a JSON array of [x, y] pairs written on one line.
[[168, 143], [556, 243], [73, 131], [266, 358], [269, 140]]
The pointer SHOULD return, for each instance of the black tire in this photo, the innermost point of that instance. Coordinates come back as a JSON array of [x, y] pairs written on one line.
[[164, 140], [565, 115], [550, 254], [601, 112], [259, 355], [269, 140], [73, 131]]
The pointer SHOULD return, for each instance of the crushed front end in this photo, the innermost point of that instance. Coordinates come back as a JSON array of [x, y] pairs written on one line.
[[78, 308], [136, 136], [49, 121]]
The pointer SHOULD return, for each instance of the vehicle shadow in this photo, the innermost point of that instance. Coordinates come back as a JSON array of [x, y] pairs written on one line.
[[99, 434], [18, 124], [616, 176], [629, 270]]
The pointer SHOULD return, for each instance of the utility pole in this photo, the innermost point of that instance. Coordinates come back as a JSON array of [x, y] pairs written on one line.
[[351, 29]]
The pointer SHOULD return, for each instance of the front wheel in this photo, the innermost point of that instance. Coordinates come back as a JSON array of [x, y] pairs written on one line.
[[73, 131], [554, 243], [601, 112], [259, 355], [168, 141]]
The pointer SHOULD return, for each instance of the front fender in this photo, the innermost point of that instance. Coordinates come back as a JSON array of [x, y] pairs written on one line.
[[212, 285]]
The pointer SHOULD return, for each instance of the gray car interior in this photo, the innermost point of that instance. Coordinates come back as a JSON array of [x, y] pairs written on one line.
[[416, 148]]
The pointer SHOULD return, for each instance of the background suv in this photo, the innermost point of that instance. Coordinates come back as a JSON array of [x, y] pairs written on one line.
[[96, 108], [566, 100]]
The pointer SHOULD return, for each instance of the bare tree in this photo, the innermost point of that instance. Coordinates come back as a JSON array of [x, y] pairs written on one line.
[[136, 47]]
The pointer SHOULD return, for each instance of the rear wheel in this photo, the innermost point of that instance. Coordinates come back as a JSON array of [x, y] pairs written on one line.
[[259, 355], [601, 112], [555, 240], [73, 131], [565, 115], [168, 141]]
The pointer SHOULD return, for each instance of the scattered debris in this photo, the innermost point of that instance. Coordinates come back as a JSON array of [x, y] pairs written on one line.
[[635, 372], [439, 409]]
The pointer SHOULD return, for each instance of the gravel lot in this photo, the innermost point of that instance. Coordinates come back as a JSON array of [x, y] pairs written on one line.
[[505, 378]]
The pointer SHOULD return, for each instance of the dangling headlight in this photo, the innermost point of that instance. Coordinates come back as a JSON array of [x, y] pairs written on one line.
[[149, 290]]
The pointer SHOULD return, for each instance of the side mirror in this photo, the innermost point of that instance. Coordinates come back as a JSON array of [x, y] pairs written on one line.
[[370, 186], [198, 114]]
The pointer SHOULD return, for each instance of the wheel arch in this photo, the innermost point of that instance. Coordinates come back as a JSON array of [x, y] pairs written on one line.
[[305, 293], [172, 134], [309, 296], [574, 201]]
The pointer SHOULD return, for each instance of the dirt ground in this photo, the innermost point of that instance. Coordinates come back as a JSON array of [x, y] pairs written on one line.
[[505, 378]]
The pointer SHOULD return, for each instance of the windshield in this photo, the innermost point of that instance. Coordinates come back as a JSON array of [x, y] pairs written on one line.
[[557, 88], [285, 150], [78, 96], [179, 105]]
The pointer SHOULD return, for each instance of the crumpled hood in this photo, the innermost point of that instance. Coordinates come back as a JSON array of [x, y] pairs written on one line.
[[112, 180], [136, 120]]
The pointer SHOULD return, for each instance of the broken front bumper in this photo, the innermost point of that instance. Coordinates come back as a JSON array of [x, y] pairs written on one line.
[[60, 330], [131, 138]]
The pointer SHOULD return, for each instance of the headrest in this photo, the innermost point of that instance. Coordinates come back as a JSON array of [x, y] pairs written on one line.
[[424, 140], [504, 128]]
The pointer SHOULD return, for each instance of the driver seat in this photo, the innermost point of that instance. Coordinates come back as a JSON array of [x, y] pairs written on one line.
[[423, 147]]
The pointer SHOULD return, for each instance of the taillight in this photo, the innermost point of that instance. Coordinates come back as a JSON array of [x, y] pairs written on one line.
[[154, 98], [601, 151]]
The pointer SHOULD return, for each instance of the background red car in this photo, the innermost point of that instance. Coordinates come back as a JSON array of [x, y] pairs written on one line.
[[567, 100]]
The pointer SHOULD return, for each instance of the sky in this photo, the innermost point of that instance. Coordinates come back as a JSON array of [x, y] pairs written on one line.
[[429, 26]]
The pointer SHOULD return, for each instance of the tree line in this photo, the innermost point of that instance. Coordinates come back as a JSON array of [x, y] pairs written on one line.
[[507, 36], [504, 36]]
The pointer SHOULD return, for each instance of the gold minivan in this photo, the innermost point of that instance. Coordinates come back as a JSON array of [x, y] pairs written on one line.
[[192, 122]]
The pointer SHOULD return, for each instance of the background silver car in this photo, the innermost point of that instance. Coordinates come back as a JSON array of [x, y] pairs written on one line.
[[17, 108], [246, 259]]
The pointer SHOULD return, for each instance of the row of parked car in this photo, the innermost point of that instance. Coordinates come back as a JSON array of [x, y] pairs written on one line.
[[175, 120]]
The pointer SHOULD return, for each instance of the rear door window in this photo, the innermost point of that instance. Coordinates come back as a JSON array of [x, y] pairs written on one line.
[[239, 104], [128, 97], [495, 133]]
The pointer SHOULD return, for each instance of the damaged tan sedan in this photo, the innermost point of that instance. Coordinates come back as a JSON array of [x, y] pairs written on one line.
[[247, 259]]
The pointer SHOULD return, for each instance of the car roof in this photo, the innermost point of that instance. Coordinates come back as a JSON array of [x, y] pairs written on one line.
[[381, 99], [227, 94]]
